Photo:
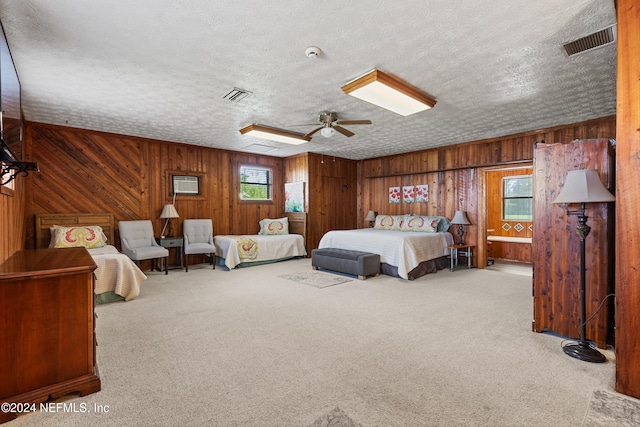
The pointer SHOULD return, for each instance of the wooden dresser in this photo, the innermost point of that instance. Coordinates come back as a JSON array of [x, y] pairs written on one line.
[[47, 326]]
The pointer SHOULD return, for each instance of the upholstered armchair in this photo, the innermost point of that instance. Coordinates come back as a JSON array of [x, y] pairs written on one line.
[[198, 239], [139, 243]]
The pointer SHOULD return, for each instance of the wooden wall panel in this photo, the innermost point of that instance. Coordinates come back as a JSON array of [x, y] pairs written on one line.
[[454, 174], [333, 190], [86, 171], [628, 200], [12, 224]]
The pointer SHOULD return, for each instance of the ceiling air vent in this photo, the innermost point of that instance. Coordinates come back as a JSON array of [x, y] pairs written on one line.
[[235, 94], [592, 41]]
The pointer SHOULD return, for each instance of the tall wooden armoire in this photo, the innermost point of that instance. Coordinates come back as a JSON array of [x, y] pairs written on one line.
[[556, 245]]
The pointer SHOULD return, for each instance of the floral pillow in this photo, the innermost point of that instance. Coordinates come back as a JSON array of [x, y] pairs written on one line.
[[389, 222], [274, 226], [72, 237], [421, 223]]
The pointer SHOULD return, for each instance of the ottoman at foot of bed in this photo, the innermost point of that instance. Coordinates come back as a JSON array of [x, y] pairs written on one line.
[[356, 263]]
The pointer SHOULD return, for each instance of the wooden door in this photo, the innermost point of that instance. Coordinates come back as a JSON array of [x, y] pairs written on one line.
[[556, 245]]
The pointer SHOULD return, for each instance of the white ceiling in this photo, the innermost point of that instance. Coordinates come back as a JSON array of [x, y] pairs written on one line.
[[160, 68]]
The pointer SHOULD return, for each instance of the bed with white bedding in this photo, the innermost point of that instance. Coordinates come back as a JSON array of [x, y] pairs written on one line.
[[116, 273], [274, 243], [117, 277], [405, 253]]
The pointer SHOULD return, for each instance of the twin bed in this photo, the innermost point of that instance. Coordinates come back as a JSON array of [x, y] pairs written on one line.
[[117, 277], [272, 244]]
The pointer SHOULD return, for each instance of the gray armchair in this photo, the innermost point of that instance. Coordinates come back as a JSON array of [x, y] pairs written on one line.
[[198, 239], [139, 243]]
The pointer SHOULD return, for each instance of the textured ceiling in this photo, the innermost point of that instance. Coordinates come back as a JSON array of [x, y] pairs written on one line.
[[160, 68]]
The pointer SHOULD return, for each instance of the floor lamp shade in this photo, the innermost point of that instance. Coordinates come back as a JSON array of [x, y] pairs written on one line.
[[583, 186], [460, 219]]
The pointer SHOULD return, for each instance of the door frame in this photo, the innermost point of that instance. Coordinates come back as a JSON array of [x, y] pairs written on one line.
[[482, 207]]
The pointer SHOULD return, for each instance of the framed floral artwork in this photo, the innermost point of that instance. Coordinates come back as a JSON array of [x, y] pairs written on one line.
[[408, 194], [422, 193], [394, 195]]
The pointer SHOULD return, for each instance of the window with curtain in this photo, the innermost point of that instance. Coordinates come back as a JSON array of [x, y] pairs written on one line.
[[517, 198], [255, 183]]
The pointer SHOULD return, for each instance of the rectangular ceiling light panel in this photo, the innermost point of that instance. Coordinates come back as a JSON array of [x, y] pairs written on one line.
[[390, 93], [275, 134]]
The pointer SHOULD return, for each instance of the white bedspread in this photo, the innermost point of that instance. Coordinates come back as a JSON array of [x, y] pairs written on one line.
[[116, 272], [401, 249], [269, 248]]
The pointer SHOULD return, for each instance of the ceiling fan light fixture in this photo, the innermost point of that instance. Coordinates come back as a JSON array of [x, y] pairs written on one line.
[[327, 132], [389, 92], [274, 134]]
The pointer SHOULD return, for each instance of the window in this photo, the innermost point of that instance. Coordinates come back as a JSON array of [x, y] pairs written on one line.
[[517, 198], [255, 183]]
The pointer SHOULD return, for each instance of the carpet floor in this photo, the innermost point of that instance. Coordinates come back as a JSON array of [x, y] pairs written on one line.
[[250, 348]]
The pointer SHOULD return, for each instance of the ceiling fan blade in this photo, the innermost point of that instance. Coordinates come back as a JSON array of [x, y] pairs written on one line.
[[314, 131], [354, 122], [343, 131]]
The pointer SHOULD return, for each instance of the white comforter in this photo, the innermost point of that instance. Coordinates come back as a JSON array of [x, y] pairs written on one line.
[[116, 272], [402, 249], [271, 247]]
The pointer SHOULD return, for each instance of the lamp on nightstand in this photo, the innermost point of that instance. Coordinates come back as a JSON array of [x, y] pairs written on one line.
[[460, 219], [371, 217], [168, 212], [583, 186]]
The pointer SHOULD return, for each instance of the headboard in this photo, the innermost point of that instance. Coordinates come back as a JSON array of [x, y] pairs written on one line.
[[45, 221], [297, 223]]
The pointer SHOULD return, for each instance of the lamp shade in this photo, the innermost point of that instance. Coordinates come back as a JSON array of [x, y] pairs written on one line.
[[460, 218], [371, 216], [583, 186], [169, 211]]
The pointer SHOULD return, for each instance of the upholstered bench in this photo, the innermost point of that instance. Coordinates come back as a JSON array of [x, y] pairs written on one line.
[[356, 263]]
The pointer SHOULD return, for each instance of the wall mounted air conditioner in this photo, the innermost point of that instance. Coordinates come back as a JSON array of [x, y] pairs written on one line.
[[185, 184]]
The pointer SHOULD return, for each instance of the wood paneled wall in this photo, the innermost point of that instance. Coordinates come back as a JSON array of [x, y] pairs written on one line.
[[12, 224], [330, 192], [455, 174], [86, 171], [628, 200]]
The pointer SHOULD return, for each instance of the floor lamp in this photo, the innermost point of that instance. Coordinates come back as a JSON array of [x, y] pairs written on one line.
[[583, 186]]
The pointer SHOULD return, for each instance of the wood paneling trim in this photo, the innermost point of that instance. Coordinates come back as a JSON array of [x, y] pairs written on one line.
[[627, 200]]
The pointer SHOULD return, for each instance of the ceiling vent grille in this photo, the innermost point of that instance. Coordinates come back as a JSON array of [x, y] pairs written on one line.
[[235, 94], [592, 41]]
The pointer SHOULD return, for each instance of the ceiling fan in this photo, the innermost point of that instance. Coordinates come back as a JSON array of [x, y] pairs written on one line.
[[330, 125]]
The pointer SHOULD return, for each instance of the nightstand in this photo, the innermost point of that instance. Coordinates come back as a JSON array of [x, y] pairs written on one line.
[[457, 250], [175, 243]]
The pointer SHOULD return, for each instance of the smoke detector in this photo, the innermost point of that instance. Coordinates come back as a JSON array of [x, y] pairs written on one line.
[[312, 52]]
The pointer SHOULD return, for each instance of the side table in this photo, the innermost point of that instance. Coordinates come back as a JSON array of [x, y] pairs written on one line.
[[175, 243], [456, 250]]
